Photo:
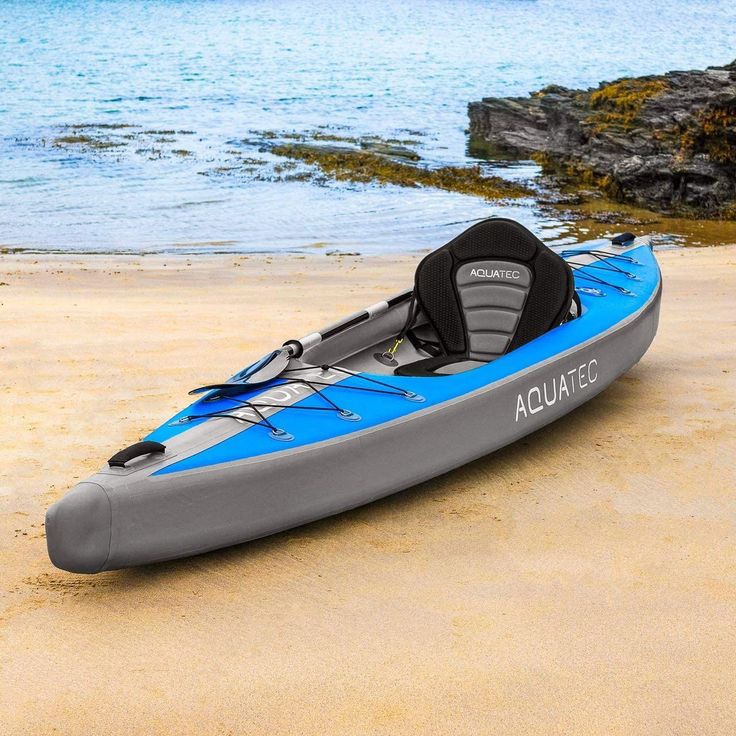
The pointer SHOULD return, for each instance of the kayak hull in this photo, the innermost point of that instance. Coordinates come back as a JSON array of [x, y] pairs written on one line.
[[114, 520]]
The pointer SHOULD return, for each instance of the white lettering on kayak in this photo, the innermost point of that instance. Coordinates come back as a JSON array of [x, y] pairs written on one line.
[[495, 273], [554, 389], [282, 395]]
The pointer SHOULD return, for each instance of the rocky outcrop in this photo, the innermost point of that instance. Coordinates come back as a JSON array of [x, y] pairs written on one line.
[[665, 142]]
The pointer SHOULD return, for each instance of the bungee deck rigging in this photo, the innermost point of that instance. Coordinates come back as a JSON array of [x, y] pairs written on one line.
[[606, 263], [277, 432]]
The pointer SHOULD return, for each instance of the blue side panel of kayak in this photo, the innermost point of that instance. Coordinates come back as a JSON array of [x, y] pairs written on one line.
[[307, 427]]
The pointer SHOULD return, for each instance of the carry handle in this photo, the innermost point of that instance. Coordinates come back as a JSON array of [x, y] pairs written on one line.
[[119, 459], [623, 238]]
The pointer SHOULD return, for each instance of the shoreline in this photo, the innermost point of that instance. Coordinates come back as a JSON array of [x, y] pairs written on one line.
[[592, 218], [24, 255], [294, 254]]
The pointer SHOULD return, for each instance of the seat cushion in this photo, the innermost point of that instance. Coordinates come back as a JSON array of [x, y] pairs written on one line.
[[493, 288]]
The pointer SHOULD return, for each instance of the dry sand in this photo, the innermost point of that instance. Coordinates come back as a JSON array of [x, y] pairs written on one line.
[[582, 581]]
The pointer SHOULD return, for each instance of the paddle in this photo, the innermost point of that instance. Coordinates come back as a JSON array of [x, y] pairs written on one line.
[[262, 371], [266, 369]]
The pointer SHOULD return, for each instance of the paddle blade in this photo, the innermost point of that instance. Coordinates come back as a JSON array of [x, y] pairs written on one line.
[[262, 371], [266, 369]]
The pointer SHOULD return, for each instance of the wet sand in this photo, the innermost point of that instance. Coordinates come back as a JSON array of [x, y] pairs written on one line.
[[582, 581]]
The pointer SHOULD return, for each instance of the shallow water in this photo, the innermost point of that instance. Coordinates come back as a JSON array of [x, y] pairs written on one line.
[[225, 67]]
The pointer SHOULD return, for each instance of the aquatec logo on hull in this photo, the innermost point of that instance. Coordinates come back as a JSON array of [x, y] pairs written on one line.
[[555, 389], [496, 273]]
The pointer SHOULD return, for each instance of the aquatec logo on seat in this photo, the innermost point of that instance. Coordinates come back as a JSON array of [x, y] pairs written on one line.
[[496, 273], [557, 388]]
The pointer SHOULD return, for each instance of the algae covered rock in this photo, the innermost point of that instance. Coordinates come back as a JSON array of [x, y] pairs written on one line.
[[667, 142], [389, 149], [382, 164]]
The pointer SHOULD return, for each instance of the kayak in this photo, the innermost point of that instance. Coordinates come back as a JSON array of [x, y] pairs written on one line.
[[499, 336]]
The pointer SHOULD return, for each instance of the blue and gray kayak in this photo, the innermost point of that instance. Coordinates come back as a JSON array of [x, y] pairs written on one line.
[[499, 336]]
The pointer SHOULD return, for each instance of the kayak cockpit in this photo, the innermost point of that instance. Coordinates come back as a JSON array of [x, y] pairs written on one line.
[[493, 288]]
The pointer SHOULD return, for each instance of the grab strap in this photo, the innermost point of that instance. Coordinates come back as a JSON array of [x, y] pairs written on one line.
[[388, 355]]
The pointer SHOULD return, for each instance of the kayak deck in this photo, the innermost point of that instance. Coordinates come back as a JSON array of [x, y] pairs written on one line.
[[369, 405]]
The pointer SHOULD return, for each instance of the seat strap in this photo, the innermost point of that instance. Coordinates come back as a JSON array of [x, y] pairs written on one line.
[[387, 357], [432, 349]]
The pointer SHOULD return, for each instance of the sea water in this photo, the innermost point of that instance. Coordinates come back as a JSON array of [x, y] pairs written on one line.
[[218, 69]]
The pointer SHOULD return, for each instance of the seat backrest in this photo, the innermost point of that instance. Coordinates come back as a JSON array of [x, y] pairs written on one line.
[[493, 288]]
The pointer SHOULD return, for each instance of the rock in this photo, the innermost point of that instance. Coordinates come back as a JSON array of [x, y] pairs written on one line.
[[304, 150], [388, 149], [379, 148], [665, 142], [344, 163]]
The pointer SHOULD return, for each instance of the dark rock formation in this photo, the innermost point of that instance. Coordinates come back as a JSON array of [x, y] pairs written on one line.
[[665, 142]]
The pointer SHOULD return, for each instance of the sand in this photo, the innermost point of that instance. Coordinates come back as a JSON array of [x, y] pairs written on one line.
[[582, 581]]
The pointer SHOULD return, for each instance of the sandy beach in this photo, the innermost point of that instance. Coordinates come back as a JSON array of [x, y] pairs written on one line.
[[581, 581]]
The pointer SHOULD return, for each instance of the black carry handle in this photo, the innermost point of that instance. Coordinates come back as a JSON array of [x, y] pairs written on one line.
[[623, 238], [119, 459]]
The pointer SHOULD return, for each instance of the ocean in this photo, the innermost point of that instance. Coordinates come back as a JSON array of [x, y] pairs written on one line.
[[184, 86]]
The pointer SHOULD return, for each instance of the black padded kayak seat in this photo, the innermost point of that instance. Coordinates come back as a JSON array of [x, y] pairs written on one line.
[[492, 289]]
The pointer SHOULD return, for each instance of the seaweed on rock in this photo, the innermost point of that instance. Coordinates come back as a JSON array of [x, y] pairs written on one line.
[[664, 142]]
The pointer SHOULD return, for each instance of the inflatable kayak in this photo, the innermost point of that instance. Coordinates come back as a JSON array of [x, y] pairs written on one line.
[[499, 336]]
